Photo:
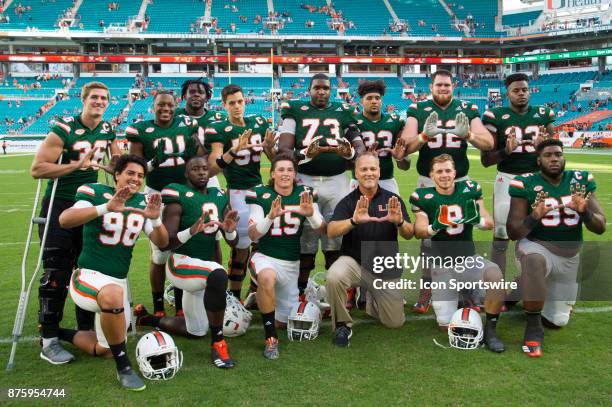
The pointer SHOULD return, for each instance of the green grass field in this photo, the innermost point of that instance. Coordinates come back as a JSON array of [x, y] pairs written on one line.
[[381, 367]]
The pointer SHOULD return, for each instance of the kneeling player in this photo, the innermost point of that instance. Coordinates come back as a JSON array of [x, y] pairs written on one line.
[[446, 214], [547, 211], [193, 215], [278, 212], [113, 219]]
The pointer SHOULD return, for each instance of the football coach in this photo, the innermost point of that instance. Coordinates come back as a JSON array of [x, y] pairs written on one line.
[[371, 217]]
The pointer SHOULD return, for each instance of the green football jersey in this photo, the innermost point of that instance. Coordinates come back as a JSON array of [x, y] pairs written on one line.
[[501, 120], [443, 143], [429, 201], [194, 204], [204, 120], [385, 132], [559, 224], [283, 238], [108, 240], [78, 141], [178, 142], [244, 171], [330, 123]]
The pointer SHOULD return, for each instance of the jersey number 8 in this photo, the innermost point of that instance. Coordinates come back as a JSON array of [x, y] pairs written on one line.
[[120, 228]]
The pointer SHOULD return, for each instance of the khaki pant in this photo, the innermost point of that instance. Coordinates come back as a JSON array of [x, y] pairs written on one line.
[[385, 305]]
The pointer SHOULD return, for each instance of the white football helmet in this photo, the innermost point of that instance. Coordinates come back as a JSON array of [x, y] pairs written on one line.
[[158, 357], [303, 322], [316, 293], [237, 318], [169, 294], [465, 329]]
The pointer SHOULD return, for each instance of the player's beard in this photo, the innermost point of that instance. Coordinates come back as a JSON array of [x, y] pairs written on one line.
[[442, 100], [553, 173]]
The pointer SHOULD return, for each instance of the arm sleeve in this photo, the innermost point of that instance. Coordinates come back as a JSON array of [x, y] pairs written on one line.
[[86, 193], [147, 228], [288, 126], [472, 111], [412, 111], [517, 188], [82, 204], [170, 195], [343, 210], [256, 214]]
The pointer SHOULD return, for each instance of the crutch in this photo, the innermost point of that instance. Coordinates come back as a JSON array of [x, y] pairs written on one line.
[[24, 296]]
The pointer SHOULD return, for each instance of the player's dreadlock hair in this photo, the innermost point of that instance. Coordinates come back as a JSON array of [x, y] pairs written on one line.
[[318, 76], [199, 82], [515, 77], [282, 157], [123, 162], [165, 92], [366, 87], [547, 143]]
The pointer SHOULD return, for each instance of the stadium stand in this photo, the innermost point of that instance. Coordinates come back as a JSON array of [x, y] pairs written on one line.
[[478, 15], [520, 19], [96, 15], [240, 17], [35, 14], [301, 17], [424, 17], [177, 18], [371, 20]]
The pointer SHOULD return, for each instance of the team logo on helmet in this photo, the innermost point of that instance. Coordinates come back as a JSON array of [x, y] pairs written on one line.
[[150, 130], [79, 132]]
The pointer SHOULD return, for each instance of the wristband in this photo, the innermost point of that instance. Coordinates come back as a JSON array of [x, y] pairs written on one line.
[[157, 222], [102, 209], [430, 231], [316, 220], [586, 216], [482, 224], [264, 225], [468, 136], [184, 235], [399, 225], [423, 138], [353, 222], [231, 235], [221, 163]]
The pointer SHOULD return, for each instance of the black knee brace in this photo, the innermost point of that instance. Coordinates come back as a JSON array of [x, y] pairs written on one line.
[[330, 257], [500, 245], [235, 265], [214, 294], [307, 263], [53, 289], [113, 310]]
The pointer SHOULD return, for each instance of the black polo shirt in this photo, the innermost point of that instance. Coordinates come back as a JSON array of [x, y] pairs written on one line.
[[370, 231]]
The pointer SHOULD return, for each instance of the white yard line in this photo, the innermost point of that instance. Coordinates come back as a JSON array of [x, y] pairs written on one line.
[[327, 323]]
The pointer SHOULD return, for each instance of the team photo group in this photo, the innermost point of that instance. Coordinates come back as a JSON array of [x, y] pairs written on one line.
[[197, 181]]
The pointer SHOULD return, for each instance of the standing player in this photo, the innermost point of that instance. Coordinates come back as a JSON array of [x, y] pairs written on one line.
[[82, 141], [324, 137], [236, 146], [166, 142], [277, 215], [381, 132], [113, 219], [193, 215], [447, 214], [547, 211], [442, 125], [516, 131]]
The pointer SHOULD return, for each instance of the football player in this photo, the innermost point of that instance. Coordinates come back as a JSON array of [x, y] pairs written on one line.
[[236, 145], [196, 93], [193, 214], [324, 137], [442, 125], [113, 219], [166, 142], [81, 141], [447, 213], [516, 130], [380, 132], [547, 211], [278, 212]]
